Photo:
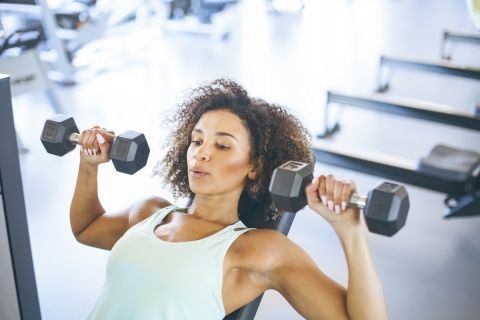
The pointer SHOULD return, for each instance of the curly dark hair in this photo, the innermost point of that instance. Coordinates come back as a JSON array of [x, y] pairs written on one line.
[[276, 137]]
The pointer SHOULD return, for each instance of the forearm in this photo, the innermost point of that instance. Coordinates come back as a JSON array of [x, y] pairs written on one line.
[[85, 206], [365, 298]]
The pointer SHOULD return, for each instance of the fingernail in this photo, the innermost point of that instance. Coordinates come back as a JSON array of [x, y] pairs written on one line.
[[330, 204], [94, 152], [344, 205], [324, 200], [85, 151], [337, 209], [100, 138], [90, 152]]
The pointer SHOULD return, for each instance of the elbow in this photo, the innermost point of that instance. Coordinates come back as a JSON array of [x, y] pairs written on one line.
[[78, 233], [78, 236]]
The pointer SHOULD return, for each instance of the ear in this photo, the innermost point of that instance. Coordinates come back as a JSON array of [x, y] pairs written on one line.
[[252, 173]]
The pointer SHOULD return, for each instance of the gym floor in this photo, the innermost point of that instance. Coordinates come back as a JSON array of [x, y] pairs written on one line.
[[429, 269]]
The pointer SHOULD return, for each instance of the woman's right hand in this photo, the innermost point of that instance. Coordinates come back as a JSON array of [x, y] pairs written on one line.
[[95, 145]]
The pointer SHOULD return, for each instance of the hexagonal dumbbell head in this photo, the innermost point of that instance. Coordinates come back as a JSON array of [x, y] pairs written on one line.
[[287, 186], [386, 208], [129, 152], [56, 132]]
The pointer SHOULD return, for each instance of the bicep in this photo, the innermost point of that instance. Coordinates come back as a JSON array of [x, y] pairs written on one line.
[[105, 230], [313, 294]]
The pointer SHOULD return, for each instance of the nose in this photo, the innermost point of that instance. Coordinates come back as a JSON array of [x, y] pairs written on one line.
[[202, 154]]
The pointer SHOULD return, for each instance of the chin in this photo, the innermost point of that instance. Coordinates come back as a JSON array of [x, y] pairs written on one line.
[[199, 188]]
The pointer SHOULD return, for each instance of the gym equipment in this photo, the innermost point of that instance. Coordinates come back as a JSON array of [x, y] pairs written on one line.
[[403, 107], [385, 208], [65, 36], [18, 293], [19, 58], [72, 16], [455, 38], [203, 17], [129, 151], [455, 172], [443, 67], [22, 39], [38, 9]]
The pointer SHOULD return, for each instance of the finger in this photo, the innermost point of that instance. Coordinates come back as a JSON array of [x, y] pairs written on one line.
[[90, 141], [96, 143], [80, 139], [95, 146], [312, 192], [322, 189], [84, 141], [337, 195], [353, 186], [108, 135], [348, 188], [329, 190], [104, 146]]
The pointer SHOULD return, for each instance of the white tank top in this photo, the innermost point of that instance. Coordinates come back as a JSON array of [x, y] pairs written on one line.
[[149, 278]]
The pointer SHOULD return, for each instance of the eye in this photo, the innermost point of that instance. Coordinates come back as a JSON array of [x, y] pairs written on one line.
[[196, 142], [222, 146]]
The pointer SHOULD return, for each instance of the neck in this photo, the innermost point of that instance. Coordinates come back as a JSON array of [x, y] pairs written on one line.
[[220, 209]]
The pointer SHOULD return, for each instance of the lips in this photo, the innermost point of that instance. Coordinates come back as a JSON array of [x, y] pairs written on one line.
[[197, 172]]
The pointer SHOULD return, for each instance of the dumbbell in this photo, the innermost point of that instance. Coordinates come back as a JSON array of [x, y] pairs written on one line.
[[385, 208], [129, 151]]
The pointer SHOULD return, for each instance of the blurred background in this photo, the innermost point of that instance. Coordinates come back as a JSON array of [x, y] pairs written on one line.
[[125, 65]]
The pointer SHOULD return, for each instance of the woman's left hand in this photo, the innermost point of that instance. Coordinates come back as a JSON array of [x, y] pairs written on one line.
[[329, 198]]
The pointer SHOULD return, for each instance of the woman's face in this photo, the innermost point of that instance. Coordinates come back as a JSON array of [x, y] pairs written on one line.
[[219, 154]]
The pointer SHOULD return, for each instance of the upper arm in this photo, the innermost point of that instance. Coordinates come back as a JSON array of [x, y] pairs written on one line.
[[293, 273], [105, 230]]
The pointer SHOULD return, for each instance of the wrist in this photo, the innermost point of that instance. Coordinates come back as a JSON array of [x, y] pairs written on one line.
[[88, 167], [350, 235]]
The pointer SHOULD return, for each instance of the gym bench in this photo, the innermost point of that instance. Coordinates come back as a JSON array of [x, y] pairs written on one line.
[[446, 170], [443, 67], [403, 107], [457, 37]]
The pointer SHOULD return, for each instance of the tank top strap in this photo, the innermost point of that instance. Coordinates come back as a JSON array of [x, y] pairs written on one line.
[[160, 214], [231, 233]]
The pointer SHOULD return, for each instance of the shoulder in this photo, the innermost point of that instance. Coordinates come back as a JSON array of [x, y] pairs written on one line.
[[274, 258], [264, 250], [144, 208]]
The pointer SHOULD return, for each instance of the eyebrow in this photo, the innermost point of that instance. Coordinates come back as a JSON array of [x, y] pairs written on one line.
[[219, 133]]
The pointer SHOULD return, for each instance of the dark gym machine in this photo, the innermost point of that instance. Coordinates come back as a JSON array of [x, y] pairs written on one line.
[[400, 106], [388, 64], [446, 169], [18, 293], [454, 172]]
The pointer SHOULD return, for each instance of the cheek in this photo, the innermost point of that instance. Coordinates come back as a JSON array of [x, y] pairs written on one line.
[[236, 167]]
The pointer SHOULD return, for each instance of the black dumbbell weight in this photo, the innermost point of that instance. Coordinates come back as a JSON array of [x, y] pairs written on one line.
[[385, 207], [129, 151]]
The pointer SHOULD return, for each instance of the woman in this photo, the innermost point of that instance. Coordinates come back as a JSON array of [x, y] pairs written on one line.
[[202, 262]]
